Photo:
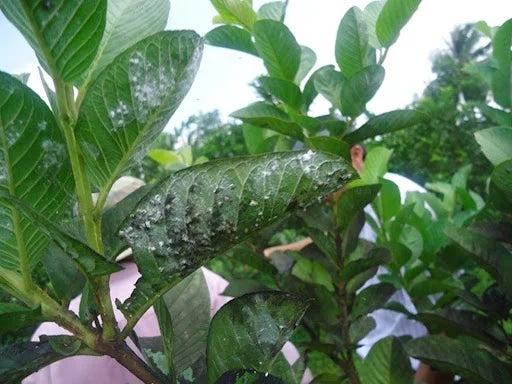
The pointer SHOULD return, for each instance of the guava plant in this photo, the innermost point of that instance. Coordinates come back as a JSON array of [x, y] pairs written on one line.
[[117, 79]]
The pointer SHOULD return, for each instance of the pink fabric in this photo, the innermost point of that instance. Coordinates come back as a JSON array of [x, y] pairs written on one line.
[[105, 370]]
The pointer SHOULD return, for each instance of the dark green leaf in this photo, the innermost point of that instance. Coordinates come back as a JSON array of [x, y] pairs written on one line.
[[310, 92], [460, 358], [377, 256], [359, 89], [372, 298], [248, 376], [352, 43], [330, 145], [329, 83], [502, 86], [66, 278], [284, 90], [361, 279], [130, 102], [128, 22], [278, 48], [202, 211], [34, 167], [252, 259], [360, 328], [392, 18], [385, 123], [311, 271], [65, 34], [268, 116], [501, 186], [491, 255], [501, 44], [167, 333], [240, 287], [387, 363], [354, 200], [248, 332], [228, 36], [14, 317], [189, 307], [388, 203]]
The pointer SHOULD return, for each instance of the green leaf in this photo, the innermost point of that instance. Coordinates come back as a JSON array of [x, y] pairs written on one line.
[[284, 90], [387, 363], [457, 322], [360, 328], [248, 376], [371, 14], [66, 278], [311, 271], [167, 333], [352, 43], [329, 144], [502, 42], [252, 259], [128, 22], [50, 94], [353, 200], [372, 298], [164, 157], [359, 89], [202, 211], [130, 102], [386, 123], [14, 317], [91, 263], [240, 287], [393, 17], [248, 332], [492, 255], [388, 202], [64, 34], [375, 165], [268, 116], [278, 48], [189, 306], [272, 11], [461, 358], [496, 143], [501, 186], [237, 11], [228, 36], [18, 361], [307, 62], [377, 256], [502, 86], [310, 92], [34, 167], [254, 138], [329, 83]]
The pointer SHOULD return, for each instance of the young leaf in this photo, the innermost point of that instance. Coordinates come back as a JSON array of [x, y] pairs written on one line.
[[64, 34], [372, 298], [128, 21], [329, 83], [307, 62], [455, 356], [268, 116], [278, 48], [284, 90], [354, 200], [201, 212], [272, 11], [228, 36], [189, 306], [352, 43], [248, 332], [496, 143], [236, 11], [393, 17], [386, 123], [371, 14], [130, 102], [388, 203], [387, 363], [34, 167], [359, 89]]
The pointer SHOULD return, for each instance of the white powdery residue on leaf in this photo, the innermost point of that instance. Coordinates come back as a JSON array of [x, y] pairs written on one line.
[[150, 86], [120, 115], [41, 126], [253, 203], [53, 154], [91, 149], [12, 132]]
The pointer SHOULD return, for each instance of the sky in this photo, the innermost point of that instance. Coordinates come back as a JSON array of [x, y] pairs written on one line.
[[224, 75]]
